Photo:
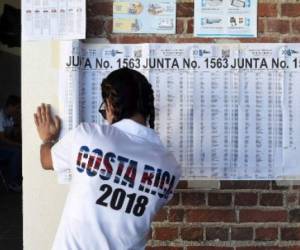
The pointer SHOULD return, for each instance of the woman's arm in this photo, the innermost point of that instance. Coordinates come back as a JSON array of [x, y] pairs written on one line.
[[48, 129], [45, 155]]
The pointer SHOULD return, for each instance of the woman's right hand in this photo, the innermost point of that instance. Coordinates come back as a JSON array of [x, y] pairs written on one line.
[[47, 126]]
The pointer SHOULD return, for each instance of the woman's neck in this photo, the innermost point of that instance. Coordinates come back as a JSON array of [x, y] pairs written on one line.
[[139, 119]]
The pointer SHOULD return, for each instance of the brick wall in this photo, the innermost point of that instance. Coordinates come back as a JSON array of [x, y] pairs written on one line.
[[239, 215], [234, 215]]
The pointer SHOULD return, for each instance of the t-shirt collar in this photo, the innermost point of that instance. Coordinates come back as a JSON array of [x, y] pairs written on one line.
[[131, 127]]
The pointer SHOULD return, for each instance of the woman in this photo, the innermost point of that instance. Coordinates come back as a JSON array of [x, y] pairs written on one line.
[[121, 173]]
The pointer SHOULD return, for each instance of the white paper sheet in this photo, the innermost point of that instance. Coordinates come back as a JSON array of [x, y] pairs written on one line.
[[53, 19], [225, 111], [225, 18], [144, 16]]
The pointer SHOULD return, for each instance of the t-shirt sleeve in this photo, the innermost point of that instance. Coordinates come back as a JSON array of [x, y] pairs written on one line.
[[61, 154]]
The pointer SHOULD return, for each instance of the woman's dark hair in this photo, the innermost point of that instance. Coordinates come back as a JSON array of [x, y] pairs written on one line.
[[129, 93]]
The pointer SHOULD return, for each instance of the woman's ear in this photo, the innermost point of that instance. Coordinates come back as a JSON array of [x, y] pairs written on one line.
[[109, 106], [109, 111]]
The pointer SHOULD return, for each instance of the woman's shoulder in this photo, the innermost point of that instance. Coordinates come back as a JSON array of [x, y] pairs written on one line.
[[90, 128]]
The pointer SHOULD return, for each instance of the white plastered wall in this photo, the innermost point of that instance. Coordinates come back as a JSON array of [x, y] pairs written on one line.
[[43, 198]]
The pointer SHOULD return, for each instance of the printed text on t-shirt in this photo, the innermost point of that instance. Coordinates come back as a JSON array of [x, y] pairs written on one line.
[[134, 204], [122, 170]]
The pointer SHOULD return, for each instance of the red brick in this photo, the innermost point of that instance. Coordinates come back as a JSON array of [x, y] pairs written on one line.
[[296, 187], [193, 40], [163, 248], [209, 248], [290, 233], [266, 234], [291, 198], [271, 199], [290, 9], [294, 215], [245, 199], [179, 26], [182, 185], [185, 10], [268, 248], [241, 233], [245, 184], [261, 39], [292, 39], [100, 9], [136, 39], [210, 215], [219, 199], [277, 25], [176, 215], [165, 233], [95, 27], [175, 200], [108, 25], [217, 233], [162, 215], [296, 26], [192, 233], [249, 215], [193, 199], [267, 9], [261, 26], [190, 26]]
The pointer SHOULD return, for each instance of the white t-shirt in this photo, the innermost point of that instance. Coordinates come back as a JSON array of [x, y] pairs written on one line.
[[121, 176]]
